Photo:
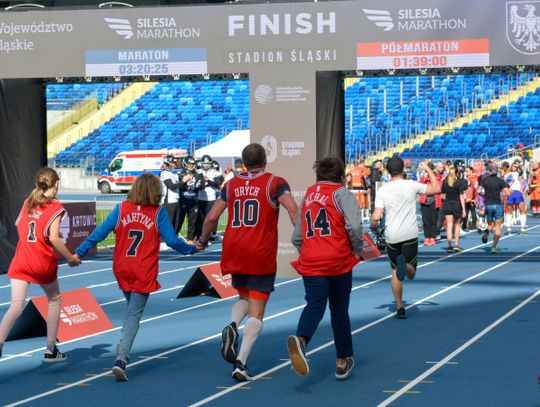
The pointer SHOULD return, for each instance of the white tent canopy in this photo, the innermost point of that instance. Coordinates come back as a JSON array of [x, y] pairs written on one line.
[[229, 146]]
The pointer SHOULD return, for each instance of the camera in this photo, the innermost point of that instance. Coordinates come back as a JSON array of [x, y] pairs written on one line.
[[379, 240]]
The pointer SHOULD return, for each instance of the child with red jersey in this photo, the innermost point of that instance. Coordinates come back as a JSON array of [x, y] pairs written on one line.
[[138, 223], [250, 245], [38, 225], [328, 235]]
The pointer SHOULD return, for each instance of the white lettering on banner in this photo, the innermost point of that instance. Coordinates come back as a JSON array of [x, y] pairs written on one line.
[[169, 33], [16, 45], [282, 24], [34, 28], [156, 22], [415, 19], [74, 315], [146, 55], [419, 47], [419, 13], [309, 56], [83, 220]]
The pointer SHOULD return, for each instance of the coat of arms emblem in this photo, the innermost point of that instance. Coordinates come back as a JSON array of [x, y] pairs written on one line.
[[523, 26]]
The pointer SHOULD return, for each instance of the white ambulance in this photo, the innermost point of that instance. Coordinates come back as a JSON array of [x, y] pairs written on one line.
[[126, 166]]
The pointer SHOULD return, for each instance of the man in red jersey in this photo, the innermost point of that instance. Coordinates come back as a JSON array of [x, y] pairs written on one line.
[[328, 235], [249, 251]]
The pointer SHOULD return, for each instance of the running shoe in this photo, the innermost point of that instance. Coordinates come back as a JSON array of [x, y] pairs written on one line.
[[241, 372], [433, 242], [450, 249], [485, 236], [401, 270], [342, 372], [508, 231], [53, 356], [401, 314], [457, 249], [297, 353], [495, 250], [119, 370], [229, 346], [426, 242], [523, 232]]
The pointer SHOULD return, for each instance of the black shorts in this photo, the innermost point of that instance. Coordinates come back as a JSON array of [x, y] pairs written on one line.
[[452, 208], [256, 282], [408, 248]]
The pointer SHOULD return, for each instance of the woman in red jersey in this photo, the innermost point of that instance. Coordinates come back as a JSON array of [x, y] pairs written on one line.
[[138, 223], [328, 235], [38, 225]]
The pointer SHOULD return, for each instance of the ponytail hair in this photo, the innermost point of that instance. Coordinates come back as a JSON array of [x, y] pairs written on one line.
[[452, 176], [42, 193]]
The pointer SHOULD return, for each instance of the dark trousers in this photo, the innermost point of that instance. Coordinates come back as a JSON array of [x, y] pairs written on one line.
[[190, 209], [429, 220], [204, 208], [470, 208], [173, 211], [336, 290]]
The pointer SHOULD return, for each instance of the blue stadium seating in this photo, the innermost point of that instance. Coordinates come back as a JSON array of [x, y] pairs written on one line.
[[172, 115], [425, 102], [493, 134], [66, 96]]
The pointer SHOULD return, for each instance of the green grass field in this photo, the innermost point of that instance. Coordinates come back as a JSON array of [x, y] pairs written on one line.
[[101, 215]]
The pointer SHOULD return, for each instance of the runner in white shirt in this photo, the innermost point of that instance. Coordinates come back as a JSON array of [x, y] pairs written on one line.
[[397, 201], [515, 201]]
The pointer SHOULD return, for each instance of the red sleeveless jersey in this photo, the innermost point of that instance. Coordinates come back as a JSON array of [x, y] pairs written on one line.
[[326, 247], [35, 261], [251, 238], [135, 260]]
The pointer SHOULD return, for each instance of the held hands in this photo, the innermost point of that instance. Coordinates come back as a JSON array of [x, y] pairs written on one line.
[[201, 245], [74, 261]]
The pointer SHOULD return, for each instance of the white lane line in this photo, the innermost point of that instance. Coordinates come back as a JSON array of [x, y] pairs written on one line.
[[161, 355], [84, 273], [448, 363], [180, 311], [363, 328], [217, 335], [267, 372], [153, 293], [452, 355]]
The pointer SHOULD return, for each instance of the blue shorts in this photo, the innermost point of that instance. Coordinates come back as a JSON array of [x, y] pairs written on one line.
[[515, 199], [494, 212]]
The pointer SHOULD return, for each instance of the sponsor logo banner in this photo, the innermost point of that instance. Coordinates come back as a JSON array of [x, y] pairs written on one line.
[[80, 316], [423, 54], [414, 19], [77, 224]]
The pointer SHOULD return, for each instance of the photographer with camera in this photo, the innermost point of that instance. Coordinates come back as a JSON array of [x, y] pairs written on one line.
[[170, 185], [397, 201], [190, 184]]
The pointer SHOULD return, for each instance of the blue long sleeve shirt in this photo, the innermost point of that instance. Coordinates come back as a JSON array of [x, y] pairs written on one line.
[[164, 227]]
